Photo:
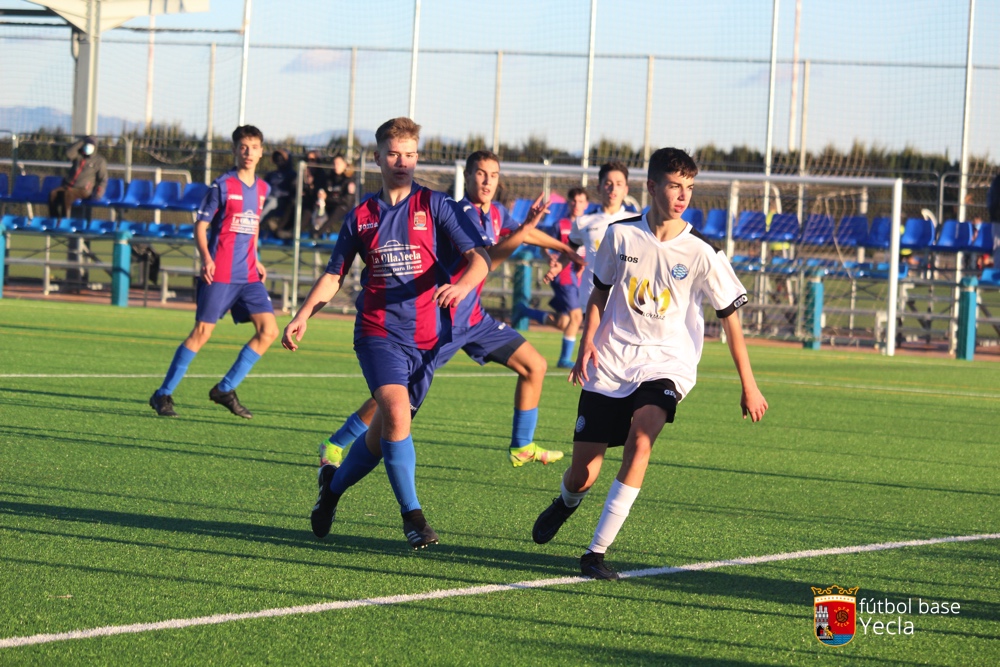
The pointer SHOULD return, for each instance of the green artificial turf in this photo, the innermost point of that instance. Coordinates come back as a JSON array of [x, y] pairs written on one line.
[[110, 515]]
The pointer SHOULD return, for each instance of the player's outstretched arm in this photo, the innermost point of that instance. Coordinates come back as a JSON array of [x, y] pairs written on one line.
[[588, 352], [450, 295], [752, 401], [539, 238], [506, 246], [322, 293]]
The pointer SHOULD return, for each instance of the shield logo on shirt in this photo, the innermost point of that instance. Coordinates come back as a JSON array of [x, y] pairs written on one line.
[[419, 221]]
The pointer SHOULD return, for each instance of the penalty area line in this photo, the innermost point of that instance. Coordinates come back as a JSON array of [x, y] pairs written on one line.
[[216, 619]]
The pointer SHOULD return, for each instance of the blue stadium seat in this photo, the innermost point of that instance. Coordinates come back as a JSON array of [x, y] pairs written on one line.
[[695, 216], [8, 222], [138, 194], [25, 224], [983, 243], [750, 226], [134, 228], [556, 213], [784, 227], [48, 185], [25, 187], [47, 224], [4, 187], [818, 230], [182, 232], [783, 266], [113, 194], [158, 230], [69, 226], [519, 210], [103, 227], [990, 277], [852, 231], [191, 199], [165, 194], [954, 236], [918, 234], [878, 235], [715, 224]]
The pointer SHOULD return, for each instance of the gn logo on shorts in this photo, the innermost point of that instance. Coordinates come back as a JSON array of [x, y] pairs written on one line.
[[834, 614]]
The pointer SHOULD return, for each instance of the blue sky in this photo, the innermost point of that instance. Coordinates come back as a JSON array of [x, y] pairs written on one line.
[[888, 72]]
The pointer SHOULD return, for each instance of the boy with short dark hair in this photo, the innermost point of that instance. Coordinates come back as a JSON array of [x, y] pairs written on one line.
[[641, 345], [232, 278]]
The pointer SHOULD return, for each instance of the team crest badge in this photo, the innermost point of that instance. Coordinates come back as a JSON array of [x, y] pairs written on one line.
[[679, 271], [834, 617], [419, 221]]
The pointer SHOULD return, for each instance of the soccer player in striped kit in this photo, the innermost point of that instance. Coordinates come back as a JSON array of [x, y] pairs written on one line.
[[481, 337], [408, 237], [232, 278]]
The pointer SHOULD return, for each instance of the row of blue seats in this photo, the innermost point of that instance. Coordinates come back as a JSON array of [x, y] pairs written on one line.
[[519, 211], [852, 231], [815, 265], [152, 230], [138, 194]]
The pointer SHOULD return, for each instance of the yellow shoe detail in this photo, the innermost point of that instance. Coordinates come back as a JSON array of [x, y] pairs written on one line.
[[531, 452]]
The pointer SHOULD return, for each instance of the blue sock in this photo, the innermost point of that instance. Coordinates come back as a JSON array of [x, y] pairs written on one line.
[[401, 466], [358, 463], [540, 316], [350, 431], [567, 349], [523, 432], [178, 367], [244, 362]]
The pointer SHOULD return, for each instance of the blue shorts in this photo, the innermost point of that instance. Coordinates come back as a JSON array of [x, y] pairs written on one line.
[[487, 341], [241, 299], [566, 298], [385, 362]]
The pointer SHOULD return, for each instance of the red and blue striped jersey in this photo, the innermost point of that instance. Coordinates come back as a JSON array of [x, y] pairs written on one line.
[[494, 225], [232, 209], [569, 275], [408, 250]]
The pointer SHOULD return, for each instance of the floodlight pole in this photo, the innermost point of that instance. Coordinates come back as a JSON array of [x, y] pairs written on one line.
[[646, 145], [585, 162], [350, 105], [149, 66], [415, 47], [243, 64], [964, 182], [496, 104], [210, 120], [770, 106]]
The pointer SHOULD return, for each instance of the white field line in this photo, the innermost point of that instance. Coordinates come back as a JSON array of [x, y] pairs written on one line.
[[174, 624], [764, 380]]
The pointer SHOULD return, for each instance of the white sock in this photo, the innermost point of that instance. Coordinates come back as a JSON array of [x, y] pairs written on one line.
[[616, 508], [571, 499]]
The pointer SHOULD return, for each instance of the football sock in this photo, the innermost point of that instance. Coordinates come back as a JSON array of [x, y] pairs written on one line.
[[401, 466], [244, 362], [571, 499], [540, 316], [523, 431], [567, 349], [358, 463], [350, 431], [178, 367], [616, 508]]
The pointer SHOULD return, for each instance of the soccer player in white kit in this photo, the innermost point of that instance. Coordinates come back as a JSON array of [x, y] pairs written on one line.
[[641, 345], [588, 230]]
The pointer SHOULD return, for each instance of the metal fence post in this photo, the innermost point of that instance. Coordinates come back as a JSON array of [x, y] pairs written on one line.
[[814, 313], [121, 269], [522, 295], [967, 307]]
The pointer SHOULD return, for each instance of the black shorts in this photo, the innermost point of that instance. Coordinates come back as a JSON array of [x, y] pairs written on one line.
[[602, 418]]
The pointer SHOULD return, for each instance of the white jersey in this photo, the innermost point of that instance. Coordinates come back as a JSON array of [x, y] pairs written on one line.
[[653, 327], [587, 232]]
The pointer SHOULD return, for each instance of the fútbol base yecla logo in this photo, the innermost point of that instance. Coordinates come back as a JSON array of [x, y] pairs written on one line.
[[834, 614]]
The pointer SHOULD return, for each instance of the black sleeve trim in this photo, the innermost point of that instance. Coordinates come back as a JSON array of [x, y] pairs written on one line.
[[599, 285], [741, 300]]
